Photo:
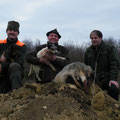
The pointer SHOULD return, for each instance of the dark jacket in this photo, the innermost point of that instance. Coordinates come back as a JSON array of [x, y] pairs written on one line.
[[5, 45], [48, 74], [106, 57]]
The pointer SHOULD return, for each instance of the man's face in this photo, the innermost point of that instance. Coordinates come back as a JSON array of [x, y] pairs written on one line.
[[95, 39], [12, 34], [53, 38]]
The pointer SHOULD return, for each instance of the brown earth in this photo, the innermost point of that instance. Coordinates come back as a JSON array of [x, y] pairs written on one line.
[[57, 102]]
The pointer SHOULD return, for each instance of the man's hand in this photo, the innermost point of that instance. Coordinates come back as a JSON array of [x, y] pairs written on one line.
[[44, 61], [50, 57], [114, 83], [2, 58]]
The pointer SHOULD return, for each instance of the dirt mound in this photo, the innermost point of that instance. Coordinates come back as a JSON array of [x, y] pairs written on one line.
[[57, 102]]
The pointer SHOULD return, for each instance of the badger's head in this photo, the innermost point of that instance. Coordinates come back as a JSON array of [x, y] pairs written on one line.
[[84, 78]]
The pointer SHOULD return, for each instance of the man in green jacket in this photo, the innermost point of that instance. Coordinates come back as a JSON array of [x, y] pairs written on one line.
[[47, 74], [11, 71], [104, 61]]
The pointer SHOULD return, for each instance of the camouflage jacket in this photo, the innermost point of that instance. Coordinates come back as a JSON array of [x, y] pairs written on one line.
[[47, 74], [107, 60]]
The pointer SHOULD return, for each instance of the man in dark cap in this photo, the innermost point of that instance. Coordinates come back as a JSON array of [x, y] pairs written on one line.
[[54, 31], [11, 71], [47, 74]]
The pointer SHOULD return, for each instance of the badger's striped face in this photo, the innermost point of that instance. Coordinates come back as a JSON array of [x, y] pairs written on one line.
[[82, 76], [80, 79]]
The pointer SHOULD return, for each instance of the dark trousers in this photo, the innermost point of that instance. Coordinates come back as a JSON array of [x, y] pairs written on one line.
[[12, 79], [113, 91]]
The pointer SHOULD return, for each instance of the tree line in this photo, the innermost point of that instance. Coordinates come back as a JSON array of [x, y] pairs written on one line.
[[76, 52]]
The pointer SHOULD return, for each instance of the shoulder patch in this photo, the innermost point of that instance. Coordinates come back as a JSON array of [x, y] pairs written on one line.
[[20, 43], [3, 41]]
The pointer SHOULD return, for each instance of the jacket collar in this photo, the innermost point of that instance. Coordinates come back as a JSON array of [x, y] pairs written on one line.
[[9, 41]]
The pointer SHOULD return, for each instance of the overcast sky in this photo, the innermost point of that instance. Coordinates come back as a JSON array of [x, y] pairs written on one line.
[[74, 19]]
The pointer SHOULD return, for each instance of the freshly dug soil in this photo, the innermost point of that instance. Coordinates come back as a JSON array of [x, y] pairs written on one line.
[[57, 102]]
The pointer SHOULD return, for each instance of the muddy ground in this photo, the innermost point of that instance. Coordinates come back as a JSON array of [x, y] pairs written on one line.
[[57, 102]]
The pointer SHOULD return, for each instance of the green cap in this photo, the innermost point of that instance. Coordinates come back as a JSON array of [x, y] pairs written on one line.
[[53, 31], [14, 25]]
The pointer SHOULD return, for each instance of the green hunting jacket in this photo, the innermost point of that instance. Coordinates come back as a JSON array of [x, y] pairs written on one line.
[[107, 59], [47, 74]]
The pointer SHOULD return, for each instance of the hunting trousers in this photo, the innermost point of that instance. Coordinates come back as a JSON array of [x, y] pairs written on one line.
[[12, 79]]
